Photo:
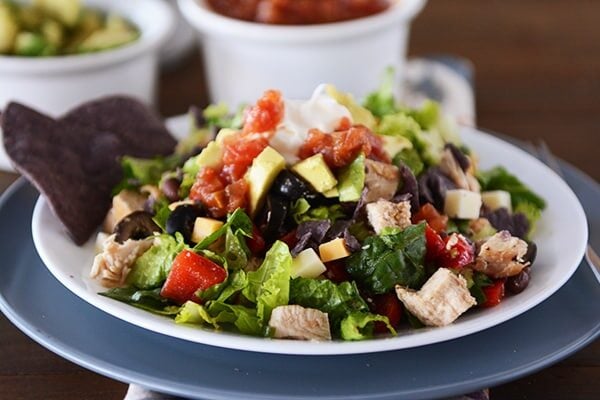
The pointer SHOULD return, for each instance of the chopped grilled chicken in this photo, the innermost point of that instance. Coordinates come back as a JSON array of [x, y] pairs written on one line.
[[123, 204], [297, 322], [451, 168], [442, 299], [381, 181], [114, 263], [385, 214], [501, 256]]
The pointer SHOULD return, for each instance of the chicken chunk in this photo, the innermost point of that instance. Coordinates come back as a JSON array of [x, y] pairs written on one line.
[[381, 181], [114, 263], [385, 214], [297, 322], [452, 169], [501, 256], [442, 299]]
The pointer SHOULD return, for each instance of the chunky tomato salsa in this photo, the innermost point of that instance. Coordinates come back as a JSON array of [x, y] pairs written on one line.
[[298, 12]]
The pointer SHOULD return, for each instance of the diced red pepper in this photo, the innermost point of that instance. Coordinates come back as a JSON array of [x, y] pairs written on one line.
[[336, 271], [453, 251], [388, 305], [290, 238], [256, 243], [438, 222], [191, 272], [494, 293]]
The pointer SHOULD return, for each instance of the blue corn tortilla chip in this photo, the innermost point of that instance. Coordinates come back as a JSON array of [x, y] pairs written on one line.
[[74, 160]]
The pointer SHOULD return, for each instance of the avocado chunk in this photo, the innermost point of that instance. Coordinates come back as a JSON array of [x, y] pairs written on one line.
[[104, 39], [8, 29], [31, 44], [66, 11], [261, 174], [315, 171], [352, 179], [210, 156]]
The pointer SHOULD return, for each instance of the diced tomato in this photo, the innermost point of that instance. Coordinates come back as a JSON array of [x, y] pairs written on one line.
[[290, 238], [266, 114], [256, 243], [493, 293], [339, 148], [239, 153], [434, 243], [191, 272], [438, 222], [336, 271], [388, 305], [453, 251]]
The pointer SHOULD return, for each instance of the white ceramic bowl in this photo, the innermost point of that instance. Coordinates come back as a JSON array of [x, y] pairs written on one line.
[[56, 84], [242, 58]]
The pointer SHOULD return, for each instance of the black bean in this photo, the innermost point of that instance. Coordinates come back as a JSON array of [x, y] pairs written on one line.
[[170, 188], [531, 253], [516, 284]]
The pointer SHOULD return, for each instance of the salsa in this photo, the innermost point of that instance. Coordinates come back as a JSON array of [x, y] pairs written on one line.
[[298, 12]]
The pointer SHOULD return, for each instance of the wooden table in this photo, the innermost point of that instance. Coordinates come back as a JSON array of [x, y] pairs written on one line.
[[537, 77]]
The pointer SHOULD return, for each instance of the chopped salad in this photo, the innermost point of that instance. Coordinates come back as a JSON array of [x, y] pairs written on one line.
[[317, 220]]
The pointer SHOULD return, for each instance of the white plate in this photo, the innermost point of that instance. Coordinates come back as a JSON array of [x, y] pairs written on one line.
[[561, 237]]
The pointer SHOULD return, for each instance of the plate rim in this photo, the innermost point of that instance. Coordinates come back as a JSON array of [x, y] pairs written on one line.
[[267, 345]]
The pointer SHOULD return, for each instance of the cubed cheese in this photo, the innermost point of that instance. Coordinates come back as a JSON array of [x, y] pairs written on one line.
[[462, 204], [204, 227], [123, 204], [496, 199], [307, 264], [333, 250], [316, 172]]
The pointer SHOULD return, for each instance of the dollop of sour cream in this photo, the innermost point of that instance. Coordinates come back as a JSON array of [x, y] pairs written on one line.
[[321, 111]]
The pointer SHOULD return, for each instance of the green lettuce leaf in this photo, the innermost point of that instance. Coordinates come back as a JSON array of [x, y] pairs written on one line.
[[498, 178], [302, 212], [243, 318], [476, 281], [351, 180], [269, 286], [388, 260], [236, 252], [196, 314], [532, 213], [382, 102], [359, 325], [219, 115], [190, 169], [149, 300], [411, 158], [151, 268], [141, 171], [338, 301]]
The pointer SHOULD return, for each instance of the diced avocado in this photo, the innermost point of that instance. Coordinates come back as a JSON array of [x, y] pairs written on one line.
[[53, 33], [66, 11], [315, 171], [224, 133], [117, 23], [30, 17], [351, 180], [332, 193], [8, 29], [104, 39], [210, 156], [30, 44], [395, 144], [360, 115], [261, 174]]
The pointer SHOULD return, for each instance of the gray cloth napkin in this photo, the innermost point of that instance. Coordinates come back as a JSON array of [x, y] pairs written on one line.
[[446, 79]]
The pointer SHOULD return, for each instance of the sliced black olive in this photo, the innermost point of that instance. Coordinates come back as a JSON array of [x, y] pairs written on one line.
[[182, 220], [516, 284], [531, 253], [291, 187], [136, 226], [275, 218]]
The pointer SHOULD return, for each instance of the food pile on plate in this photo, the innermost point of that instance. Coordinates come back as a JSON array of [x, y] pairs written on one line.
[[317, 219]]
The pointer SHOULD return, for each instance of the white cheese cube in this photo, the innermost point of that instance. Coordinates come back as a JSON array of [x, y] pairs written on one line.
[[333, 250], [496, 199], [307, 264], [463, 204], [204, 227]]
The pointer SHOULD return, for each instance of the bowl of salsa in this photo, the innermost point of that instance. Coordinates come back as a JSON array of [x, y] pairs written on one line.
[[295, 45]]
